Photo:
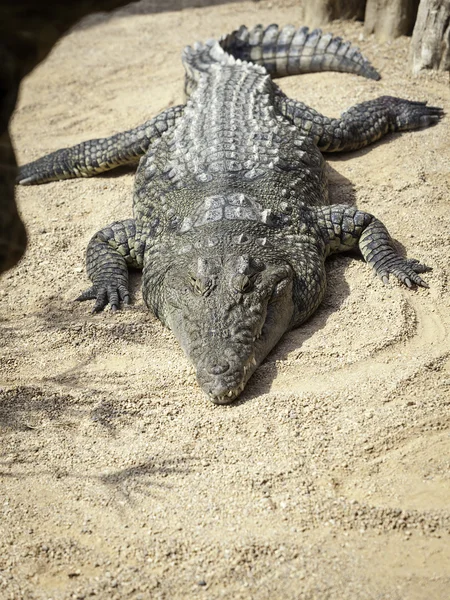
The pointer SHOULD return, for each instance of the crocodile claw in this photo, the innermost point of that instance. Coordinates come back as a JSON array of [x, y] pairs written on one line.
[[414, 115], [406, 270], [105, 294]]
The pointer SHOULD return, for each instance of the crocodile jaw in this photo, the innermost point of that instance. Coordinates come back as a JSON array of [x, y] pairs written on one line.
[[220, 391], [227, 313], [243, 353]]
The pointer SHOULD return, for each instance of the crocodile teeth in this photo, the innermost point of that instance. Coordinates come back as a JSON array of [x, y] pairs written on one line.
[[249, 365], [257, 336]]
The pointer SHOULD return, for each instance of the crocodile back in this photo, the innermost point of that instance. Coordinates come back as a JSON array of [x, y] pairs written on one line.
[[230, 140]]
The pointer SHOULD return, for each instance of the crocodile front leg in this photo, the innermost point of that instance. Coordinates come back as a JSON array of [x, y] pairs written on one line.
[[345, 228], [96, 156], [361, 124], [109, 254]]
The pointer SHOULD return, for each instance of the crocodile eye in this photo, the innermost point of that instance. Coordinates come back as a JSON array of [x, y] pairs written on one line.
[[247, 284], [242, 283], [200, 285]]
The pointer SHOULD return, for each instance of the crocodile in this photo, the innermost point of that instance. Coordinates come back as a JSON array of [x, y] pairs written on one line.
[[232, 223]]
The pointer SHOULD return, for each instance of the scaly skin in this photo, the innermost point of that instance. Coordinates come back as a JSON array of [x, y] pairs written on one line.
[[97, 156], [231, 219]]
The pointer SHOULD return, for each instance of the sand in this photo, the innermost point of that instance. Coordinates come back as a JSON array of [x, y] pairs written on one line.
[[330, 477]]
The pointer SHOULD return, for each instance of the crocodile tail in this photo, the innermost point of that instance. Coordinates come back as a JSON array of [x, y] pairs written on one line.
[[290, 51], [201, 57]]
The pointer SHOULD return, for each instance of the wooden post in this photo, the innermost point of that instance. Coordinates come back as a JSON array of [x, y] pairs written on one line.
[[388, 19], [430, 44]]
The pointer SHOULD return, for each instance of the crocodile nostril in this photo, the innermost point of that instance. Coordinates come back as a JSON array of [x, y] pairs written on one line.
[[219, 368]]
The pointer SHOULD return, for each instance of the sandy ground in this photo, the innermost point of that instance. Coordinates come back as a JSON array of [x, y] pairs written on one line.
[[330, 477]]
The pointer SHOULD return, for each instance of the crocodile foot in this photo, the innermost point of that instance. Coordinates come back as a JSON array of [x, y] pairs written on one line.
[[405, 269], [106, 294]]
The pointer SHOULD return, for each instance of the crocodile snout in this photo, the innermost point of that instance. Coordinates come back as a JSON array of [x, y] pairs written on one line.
[[220, 393], [222, 378], [219, 368]]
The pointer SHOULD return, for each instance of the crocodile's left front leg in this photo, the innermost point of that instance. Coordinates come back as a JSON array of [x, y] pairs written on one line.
[[109, 255], [345, 228]]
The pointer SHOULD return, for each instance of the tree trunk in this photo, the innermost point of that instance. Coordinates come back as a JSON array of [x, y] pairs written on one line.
[[318, 12], [430, 44], [389, 19]]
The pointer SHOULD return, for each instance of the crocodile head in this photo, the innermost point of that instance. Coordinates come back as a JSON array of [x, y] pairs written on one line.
[[227, 313]]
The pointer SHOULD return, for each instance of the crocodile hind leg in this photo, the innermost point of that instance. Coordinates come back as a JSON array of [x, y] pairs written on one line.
[[99, 155], [345, 228], [361, 124], [109, 254]]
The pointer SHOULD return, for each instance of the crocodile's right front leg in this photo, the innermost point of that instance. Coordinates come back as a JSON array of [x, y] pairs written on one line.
[[109, 254], [345, 228], [96, 156]]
